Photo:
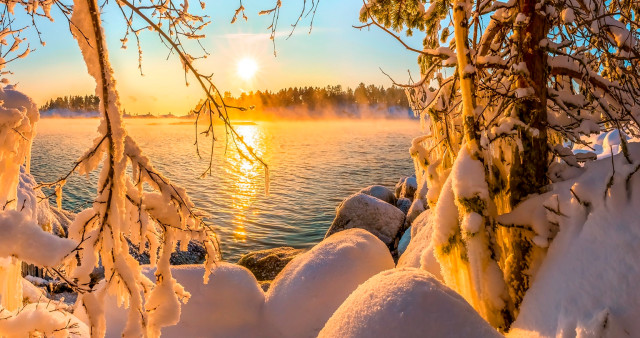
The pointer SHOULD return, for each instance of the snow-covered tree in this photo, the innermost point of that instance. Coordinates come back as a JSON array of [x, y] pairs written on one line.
[[135, 204], [506, 88]]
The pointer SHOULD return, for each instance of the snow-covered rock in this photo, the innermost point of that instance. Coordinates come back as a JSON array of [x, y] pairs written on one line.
[[404, 204], [406, 187], [380, 192], [313, 285], [196, 253], [230, 305], [417, 207], [372, 214], [267, 264], [405, 302]]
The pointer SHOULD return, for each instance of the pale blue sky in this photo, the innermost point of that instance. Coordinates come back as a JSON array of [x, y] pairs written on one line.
[[334, 53]]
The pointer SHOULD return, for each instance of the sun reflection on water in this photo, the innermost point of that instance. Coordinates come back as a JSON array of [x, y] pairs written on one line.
[[245, 176]]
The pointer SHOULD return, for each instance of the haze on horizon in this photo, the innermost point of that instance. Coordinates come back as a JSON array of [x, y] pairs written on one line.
[[334, 53]]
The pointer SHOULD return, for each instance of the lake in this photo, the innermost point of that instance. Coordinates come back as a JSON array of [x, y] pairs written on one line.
[[313, 166]]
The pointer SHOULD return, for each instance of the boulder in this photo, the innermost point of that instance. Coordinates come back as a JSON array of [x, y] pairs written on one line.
[[366, 212], [406, 188], [380, 192], [406, 302], [313, 285], [416, 208], [267, 264], [404, 204]]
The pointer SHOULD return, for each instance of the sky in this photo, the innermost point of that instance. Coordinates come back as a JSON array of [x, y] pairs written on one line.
[[333, 53]]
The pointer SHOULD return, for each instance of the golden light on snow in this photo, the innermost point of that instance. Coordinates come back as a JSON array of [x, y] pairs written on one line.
[[247, 68]]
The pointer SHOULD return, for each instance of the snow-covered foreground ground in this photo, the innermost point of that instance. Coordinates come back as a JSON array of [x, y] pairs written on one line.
[[347, 286], [583, 285]]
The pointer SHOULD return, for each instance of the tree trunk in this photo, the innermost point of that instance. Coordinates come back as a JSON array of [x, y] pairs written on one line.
[[528, 171]]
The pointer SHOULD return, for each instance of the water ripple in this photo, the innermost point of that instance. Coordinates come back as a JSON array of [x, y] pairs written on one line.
[[313, 166]]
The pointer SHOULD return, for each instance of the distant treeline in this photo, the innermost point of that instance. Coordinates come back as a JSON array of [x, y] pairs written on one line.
[[312, 98], [77, 103], [299, 102]]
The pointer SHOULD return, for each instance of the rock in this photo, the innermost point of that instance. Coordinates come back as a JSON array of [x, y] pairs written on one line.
[[366, 212], [195, 254], [404, 241], [267, 264], [380, 192], [406, 302], [313, 285], [404, 204], [417, 207], [406, 188]]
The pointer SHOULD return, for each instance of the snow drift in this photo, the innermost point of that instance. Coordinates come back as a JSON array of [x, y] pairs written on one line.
[[406, 302], [313, 285]]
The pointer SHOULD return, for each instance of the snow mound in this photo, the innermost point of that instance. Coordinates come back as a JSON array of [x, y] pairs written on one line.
[[313, 285], [587, 284], [406, 302], [363, 211], [230, 305]]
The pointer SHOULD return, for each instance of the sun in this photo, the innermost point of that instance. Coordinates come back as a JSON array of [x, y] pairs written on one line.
[[247, 68]]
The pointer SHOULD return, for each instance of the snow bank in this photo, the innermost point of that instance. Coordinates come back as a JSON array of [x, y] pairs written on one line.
[[313, 285], [587, 284], [406, 302], [420, 252], [366, 212], [230, 305]]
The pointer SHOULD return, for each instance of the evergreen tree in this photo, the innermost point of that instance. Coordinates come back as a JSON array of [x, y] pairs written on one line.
[[504, 86]]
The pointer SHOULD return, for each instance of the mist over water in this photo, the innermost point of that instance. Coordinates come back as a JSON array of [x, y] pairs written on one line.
[[313, 166]]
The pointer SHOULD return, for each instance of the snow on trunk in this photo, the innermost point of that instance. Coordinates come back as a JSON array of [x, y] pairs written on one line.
[[462, 240]]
